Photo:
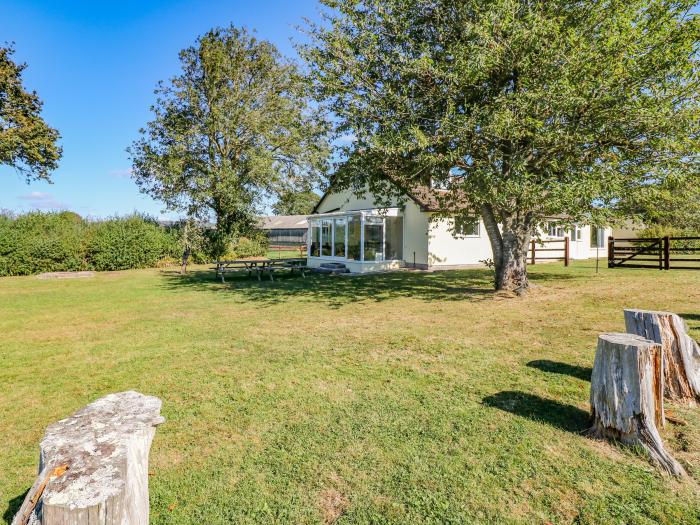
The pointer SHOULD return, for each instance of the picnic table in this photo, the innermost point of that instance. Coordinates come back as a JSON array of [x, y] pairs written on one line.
[[261, 266]]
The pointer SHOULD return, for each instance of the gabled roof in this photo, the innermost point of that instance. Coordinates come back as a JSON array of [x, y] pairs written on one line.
[[429, 199], [283, 222]]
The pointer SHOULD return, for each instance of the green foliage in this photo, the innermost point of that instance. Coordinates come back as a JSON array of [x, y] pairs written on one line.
[[233, 128], [27, 143], [669, 205], [129, 242], [38, 242], [52, 242], [523, 110], [295, 203], [253, 246]]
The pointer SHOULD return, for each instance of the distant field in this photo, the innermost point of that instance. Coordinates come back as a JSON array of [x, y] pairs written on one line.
[[402, 398]]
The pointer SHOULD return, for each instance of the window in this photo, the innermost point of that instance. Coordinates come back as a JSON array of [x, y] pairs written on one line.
[[394, 238], [354, 226], [467, 227], [374, 239], [326, 237], [554, 230], [358, 236], [314, 245], [339, 238], [575, 233], [597, 237]]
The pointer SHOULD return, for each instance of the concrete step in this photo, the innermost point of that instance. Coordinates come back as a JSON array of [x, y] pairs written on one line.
[[332, 267]]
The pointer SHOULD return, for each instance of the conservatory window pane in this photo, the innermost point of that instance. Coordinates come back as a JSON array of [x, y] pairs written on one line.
[[326, 232], [394, 238], [353, 238], [374, 238], [339, 240], [315, 236]]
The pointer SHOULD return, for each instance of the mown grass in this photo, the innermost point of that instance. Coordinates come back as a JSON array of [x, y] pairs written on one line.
[[395, 398]]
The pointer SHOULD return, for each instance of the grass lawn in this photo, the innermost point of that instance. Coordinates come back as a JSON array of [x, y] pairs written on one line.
[[396, 398]]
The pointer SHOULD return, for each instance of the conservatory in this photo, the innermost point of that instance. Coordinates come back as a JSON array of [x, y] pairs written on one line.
[[363, 240]]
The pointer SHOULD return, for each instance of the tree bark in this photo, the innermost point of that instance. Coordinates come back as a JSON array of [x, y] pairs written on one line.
[[105, 448], [627, 396], [509, 244], [681, 353], [185, 259]]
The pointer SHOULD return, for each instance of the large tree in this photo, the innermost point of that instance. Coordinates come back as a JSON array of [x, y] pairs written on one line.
[[293, 202], [27, 143], [671, 205], [523, 110], [232, 130]]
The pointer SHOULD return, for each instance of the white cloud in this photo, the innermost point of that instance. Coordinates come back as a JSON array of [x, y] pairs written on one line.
[[121, 174], [42, 201]]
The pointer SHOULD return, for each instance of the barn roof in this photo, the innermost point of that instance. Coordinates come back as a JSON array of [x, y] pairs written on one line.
[[283, 222]]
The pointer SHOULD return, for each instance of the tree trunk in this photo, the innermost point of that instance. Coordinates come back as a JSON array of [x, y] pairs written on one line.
[[105, 448], [185, 258], [681, 354], [627, 396], [509, 245]]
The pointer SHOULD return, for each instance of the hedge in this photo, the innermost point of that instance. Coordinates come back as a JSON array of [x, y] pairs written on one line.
[[63, 241]]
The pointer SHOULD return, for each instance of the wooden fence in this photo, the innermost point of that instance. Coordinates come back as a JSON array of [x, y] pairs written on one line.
[[547, 246], [663, 253], [286, 248]]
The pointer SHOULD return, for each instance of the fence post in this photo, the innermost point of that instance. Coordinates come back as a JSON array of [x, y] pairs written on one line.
[[667, 253], [533, 246], [611, 252], [566, 251]]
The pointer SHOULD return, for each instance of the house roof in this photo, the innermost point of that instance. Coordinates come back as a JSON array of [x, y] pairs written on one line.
[[283, 222], [429, 199]]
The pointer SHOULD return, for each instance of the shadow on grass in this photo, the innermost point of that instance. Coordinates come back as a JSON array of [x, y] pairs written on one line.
[[555, 367], [13, 506], [691, 317], [559, 415], [338, 290], [449, 285]]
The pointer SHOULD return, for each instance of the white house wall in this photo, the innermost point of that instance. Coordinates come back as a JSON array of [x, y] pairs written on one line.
[[430, 241], [415, 236], [448, 249]]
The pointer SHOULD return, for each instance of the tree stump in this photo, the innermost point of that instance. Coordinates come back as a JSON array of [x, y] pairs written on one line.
[[93, 466], [681, 354], [627, 395]]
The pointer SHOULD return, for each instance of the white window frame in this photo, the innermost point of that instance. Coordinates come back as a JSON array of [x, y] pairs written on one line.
[[362, 214]]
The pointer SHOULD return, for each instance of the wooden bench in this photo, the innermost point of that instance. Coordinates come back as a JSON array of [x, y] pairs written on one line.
[[260, 266]]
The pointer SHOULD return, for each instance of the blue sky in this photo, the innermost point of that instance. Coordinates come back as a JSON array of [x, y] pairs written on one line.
[[95, 65]]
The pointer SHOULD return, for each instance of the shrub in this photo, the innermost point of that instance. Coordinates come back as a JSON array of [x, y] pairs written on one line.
[[42, 242], [255, 246], [62, 241], [129, 242]]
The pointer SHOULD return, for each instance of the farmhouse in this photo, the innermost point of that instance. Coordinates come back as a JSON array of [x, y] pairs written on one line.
[[352, 230]]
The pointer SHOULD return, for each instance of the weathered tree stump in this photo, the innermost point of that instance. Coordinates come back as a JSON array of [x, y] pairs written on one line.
[[93, 466], [627, 395], [681, 354]]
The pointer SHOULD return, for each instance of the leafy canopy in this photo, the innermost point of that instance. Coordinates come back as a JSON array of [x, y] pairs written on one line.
[[296, 203], [233, 129], [527, 109], [27, 143]]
